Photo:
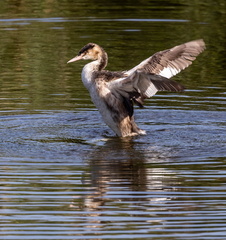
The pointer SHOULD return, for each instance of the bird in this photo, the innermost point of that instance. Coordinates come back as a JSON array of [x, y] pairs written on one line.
[[114, 93]]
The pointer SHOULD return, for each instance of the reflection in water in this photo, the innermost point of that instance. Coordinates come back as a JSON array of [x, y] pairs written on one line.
[[131, 189], [122, 176]]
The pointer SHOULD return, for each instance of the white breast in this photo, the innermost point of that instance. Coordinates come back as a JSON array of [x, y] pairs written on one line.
[[87, 74], [100, 104], [98, 98]]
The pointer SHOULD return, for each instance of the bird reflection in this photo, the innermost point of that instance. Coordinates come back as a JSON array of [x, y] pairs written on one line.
[[123, 169], [114, 167], [127, 185]]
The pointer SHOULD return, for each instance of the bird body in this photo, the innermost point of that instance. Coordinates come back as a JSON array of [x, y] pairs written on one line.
[[114, 93]]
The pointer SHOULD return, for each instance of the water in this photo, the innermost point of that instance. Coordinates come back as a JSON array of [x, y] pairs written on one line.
[[63, 173]]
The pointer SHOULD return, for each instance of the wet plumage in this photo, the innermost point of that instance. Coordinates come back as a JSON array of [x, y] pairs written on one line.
[[115, 93]]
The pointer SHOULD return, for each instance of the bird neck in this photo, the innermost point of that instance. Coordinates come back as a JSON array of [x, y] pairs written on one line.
[[102, 60], [90, 69]]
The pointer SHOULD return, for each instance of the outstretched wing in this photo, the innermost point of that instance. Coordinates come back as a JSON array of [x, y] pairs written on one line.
[[141, 85], [170, 62], [152, 75]]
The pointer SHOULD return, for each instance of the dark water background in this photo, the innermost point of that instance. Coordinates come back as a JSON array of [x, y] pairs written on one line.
[[63, 173]]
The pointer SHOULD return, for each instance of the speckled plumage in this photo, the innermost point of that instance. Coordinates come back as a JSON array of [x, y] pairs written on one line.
[[114, 93]]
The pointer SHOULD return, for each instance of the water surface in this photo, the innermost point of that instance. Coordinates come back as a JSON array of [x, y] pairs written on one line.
[[64, 175]]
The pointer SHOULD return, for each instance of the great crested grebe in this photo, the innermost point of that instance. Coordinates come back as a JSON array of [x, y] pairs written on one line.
[[114, 93]]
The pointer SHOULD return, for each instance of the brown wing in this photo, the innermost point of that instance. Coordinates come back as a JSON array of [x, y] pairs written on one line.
[[170, 62], [141, 85]]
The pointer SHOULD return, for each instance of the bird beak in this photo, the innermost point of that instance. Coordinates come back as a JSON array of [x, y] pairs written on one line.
[[75, 59]]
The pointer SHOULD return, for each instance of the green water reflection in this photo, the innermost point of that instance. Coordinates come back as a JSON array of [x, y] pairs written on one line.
[[37, 39], [62, 176]]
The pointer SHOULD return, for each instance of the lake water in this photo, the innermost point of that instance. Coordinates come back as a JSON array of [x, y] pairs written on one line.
[[64, 175]]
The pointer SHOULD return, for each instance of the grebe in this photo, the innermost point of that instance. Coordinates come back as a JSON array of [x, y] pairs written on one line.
[[114, 93]]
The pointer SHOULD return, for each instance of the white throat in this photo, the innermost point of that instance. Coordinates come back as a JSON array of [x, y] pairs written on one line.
[[87, 72]]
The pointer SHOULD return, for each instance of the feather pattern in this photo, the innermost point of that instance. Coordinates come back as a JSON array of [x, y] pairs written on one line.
[[141, 85], [114, 93], [170, 62]]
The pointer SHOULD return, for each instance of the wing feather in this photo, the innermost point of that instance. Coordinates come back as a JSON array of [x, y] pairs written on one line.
[[152, 75], [141, 85], [170, 62]]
